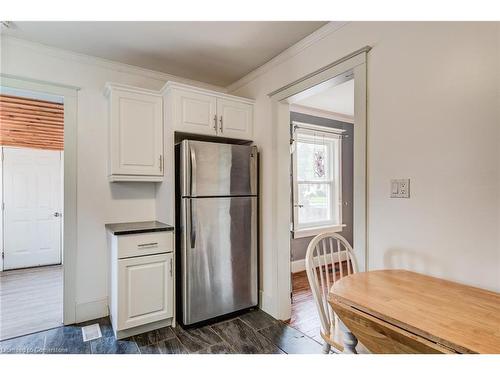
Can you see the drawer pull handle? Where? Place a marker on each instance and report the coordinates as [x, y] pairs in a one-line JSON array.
[[150, 244]]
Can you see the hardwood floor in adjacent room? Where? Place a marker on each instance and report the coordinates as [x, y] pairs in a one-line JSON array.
[[304, 317], [31, 300]]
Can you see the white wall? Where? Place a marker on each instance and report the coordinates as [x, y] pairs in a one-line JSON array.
[[99, 201], [433, 116]]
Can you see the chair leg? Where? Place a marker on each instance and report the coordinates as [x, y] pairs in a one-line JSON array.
[[326, 348]]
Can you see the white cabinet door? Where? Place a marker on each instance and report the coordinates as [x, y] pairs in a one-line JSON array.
[[235, 119], [194, 112], [32, 212], [136, 134], [145, 290]]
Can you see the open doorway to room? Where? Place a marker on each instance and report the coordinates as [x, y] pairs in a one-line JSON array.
[[322, 151], [32, 147]]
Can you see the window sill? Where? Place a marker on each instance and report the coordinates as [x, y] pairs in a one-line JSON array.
[[309, 232]]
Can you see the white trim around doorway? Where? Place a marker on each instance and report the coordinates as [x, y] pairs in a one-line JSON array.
[[70, 98], [351, 66]]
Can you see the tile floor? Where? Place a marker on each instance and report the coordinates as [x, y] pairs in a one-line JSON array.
[[253, 332]]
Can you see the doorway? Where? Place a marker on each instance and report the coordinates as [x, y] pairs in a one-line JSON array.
[[352, 66], [322, 150], [32, 146]]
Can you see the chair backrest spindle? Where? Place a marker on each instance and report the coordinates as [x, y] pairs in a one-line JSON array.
[[320, 256]]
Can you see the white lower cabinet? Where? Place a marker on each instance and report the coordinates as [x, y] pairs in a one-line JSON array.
[[145, 290], [141, 293]]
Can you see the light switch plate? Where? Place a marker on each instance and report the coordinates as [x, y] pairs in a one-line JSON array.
[[400, 188]]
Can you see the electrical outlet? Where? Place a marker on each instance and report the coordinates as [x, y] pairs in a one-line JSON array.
[[400, 188]]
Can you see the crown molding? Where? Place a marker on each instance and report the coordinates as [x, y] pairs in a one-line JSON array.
[[287, 54], [172, 85], [103, 63]]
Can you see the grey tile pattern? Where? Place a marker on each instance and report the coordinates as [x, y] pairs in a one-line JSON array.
[[221, 348], [196, 339], [244, 339], [153, 337], [66, 340], [290, 340], [257, 319], [172, 346], [109, 345], [150, 349], [252, 332]]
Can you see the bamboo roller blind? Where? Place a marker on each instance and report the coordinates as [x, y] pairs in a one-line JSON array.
[[31, 123]]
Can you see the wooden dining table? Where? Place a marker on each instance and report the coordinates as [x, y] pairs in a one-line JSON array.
[[398, 311]]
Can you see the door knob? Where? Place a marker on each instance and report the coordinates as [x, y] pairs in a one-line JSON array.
[[299, 205], [57, 214]]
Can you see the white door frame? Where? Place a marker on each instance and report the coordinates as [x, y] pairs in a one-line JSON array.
[[354, 63], [69, 250]]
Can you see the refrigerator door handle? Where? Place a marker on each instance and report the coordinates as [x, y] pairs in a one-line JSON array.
[[192, 226], [192, 171]]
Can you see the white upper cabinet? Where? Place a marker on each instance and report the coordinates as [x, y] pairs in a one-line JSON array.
[[135, 134], [199, 111], [194, 112], [235, 119]]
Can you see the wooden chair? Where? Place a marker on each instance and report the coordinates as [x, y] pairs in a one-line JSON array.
[[324, 252]]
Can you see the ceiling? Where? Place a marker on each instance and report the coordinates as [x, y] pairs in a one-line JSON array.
[[219, 53], [338, 99]]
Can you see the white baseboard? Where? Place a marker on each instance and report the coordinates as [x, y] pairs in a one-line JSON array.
[[91, 310], [300, 265]]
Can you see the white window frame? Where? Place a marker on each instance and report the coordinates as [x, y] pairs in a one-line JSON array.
[[303, 130]]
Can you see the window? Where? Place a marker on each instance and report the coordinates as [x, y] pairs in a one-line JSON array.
[[317, 180]]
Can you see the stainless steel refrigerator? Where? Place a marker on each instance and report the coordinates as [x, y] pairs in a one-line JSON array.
[[217, 200]]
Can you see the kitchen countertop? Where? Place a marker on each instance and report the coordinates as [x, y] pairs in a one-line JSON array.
[[138, 227]]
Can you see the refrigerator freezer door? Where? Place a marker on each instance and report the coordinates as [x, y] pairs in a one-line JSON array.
[[219, 256], [217, 169]]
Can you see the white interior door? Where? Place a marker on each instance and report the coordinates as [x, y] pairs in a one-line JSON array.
[[32, 207]]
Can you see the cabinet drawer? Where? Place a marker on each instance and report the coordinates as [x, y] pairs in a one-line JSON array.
[[132, 245]]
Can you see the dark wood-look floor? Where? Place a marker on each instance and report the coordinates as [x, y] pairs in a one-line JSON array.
[[305, 317], [253, 332], [31, 300]]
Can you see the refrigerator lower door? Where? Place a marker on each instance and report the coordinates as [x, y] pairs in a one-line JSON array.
[[218, 256]]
